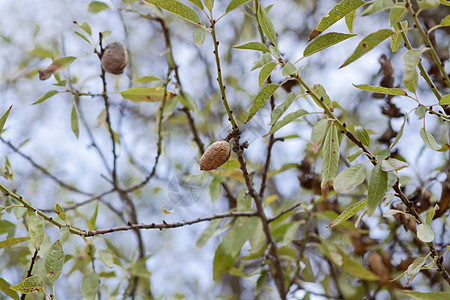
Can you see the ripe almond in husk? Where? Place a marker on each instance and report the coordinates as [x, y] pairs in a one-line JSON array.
[[215, 155], [114, 58]]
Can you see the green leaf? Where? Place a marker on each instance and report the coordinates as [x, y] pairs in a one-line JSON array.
[[197, 3], [46, 96], [215, 188], [64, 62], [253, 46], [285, 167], [146, 79], [325, 41], [320, 90], [288, 119], [318, 133], [264, 94], [428, 295], [30, 284], [336, 13], [60, 212], [400, 132], [349, 178], [36, 230], [330, 156], [377, 6], [411, 60], [178, 8], [445, 21], [362, 135], [348, 213], [199, 35], [6, 226], [86, 27], [425, 233], [107, 257], [382, 90], [223, 258], [355, 155], [430, 214], [93, 219], [235, 4], [289, 69], [96, 6], [396, 39], [5, 288], [445, 2], [208, 233], [377, 188], [242, 231], [265, 58], [444, 101], [55, 261], [90, 286], [429, 140], [427, 4], [367, 44], [74, 121], [12, 241], [209, 4], [280, 109], [266, 25], [396, 14], [188, 101], [146, 94], [3, 119], [392, 164], [265, 72], [349, 19]]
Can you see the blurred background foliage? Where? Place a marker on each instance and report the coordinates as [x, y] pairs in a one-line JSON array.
[[52, 166]]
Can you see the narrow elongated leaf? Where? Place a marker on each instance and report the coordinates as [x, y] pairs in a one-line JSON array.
[[414, 268], [425, 233], [348, 213], [146, 79], [266, 25], [265, 58], [235, 4], [30, 284], [55, 261], [336, 13], [208, 233], [444, 101], [199, 36], [197, 3], [261, 99], [90, 286], [209, 4], [362, 135], [349, 19], [367, 44], [96, 6], [177, 8], [5, 288], [36, 230], [320, 90], [242, 231], [289, 69], [330, 156], [93, 219], [3, 119], [265, 72], [46, 96], [427, 4], [382, 90], [396, 14], [400, 132], [392, 164], [378, 5], [146, 94], [428, 295], [60, 212], [253, 46], [288, 119], [349, 178], [429, 140], [12, 241], [325, 41], [411, 60], [377, 188], [74, 121], [318, 133], [107, 257], [280, 109], [445, 21], [223, 258]]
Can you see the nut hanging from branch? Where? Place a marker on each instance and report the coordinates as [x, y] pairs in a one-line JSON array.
[[215, 155], [114, 58]]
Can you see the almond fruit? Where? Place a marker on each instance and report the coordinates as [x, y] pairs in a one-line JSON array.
[[114, 58], [215, 155]]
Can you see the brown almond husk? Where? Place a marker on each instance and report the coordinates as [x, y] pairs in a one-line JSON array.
[[215, 155]]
